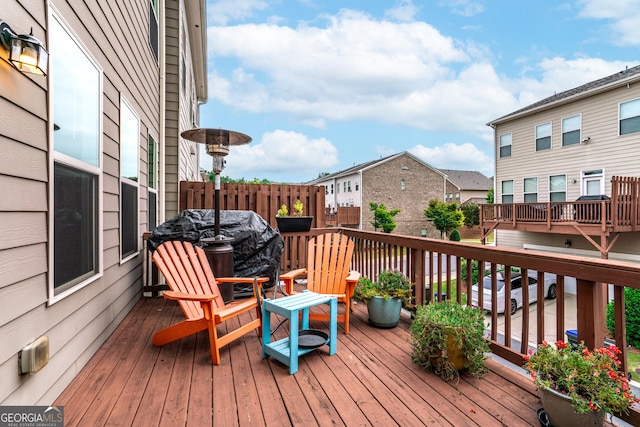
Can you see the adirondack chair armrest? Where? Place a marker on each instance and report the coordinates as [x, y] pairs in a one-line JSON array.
[[289, 277], [352, 281], [189, 297], [261, 280]]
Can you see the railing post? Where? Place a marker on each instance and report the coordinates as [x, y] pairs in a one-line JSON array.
[[418, 274], [591, 302]]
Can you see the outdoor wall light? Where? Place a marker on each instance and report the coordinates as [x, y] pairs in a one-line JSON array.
[[567, 243], [26, 52]]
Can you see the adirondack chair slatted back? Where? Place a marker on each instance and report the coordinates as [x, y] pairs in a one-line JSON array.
[[328, 262], [186, 269]]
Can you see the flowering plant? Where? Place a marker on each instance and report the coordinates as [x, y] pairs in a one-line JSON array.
[[590, 378]]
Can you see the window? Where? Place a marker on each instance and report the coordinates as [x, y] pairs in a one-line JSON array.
[[558, 188], [530, 190], [357, 186], [153, 27], [326, 190], [458, 197], [344, 187], [349, 186], [331, 188], [630, 117], [571, 130], [593, 182], [129, 155], [505, 145], [76, 94], [507, 191], [403, 185], [337, 188], [152, 207], [543, 137]]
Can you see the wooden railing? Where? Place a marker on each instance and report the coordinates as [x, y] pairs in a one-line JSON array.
[[435, 267]]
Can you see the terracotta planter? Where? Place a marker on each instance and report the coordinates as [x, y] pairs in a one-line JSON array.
[[561, 413], [384, 314], [294, 224]]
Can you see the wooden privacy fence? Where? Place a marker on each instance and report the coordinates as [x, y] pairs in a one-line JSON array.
[[264, 199]]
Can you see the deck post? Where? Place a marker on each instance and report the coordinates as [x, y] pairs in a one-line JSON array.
[[591, 303]]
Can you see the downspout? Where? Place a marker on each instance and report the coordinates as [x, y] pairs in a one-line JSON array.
[[163, 114], [361, 207]]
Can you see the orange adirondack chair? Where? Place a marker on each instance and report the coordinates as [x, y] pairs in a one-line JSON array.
[[187, 272], [328, 259]]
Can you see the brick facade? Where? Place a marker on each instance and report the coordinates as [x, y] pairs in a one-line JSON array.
[[383, 184]]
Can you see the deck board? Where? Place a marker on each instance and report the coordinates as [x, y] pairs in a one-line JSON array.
[[371, 380]]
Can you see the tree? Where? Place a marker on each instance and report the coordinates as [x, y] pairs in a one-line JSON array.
[[383, 218], [471, 213], [446, 216], [489, 197]]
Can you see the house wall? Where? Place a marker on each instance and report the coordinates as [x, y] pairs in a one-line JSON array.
[[605, 150], [382, 184], [78, 324], [181, 111], [616, 155]]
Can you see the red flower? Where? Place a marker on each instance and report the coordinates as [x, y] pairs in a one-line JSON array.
[[561, 344]]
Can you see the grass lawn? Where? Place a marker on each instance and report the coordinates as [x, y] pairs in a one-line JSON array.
[[633, 363]]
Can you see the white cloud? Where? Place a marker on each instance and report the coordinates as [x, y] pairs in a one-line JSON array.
[[623, 14], [282, 153], [456, 156], [404, 11], [223, 11], [463, 7]]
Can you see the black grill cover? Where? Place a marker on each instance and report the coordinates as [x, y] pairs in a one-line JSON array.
[[257, 247]]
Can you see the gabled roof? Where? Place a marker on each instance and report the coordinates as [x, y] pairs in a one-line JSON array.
[[606, 83], [468, 180], [368, 165]]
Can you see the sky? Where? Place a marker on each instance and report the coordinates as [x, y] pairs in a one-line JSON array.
[[323, 85]]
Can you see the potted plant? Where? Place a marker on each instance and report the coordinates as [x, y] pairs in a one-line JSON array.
[[385, 297], [295, 223], [578, 386], [448, 337]]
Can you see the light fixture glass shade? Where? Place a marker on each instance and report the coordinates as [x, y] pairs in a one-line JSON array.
[[28, 55], [26, 52]]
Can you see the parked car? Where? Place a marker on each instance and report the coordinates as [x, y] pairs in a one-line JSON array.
[[516, 291]]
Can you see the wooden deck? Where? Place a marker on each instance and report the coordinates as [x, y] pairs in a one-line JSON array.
[[370, 381]]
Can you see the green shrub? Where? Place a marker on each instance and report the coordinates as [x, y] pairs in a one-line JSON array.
[[454, 236], [632, 314]]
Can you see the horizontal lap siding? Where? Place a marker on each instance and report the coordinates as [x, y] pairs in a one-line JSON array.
[[80, 323]]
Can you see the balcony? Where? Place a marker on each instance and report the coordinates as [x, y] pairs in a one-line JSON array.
[[616, 214], [371, 380]]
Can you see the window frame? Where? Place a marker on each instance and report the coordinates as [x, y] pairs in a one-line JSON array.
[[152, 180], [55, 294], [565, 133], [501, 145], [635, 118], [544, 138], [502, 192], [526, 193], [129, 182], [551, 192]]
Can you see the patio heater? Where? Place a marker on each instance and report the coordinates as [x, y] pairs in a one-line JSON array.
[[218, 248]]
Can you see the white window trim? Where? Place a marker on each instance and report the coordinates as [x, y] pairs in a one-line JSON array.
[[562, 132], [535, 136], [619, 119], [584, 178], [508, 145], [123, 100], [566, 184], [52, 298], [524, 191]]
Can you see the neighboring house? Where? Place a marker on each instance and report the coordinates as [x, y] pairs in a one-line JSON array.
[[90, 159], [401, 181], [569, 145], [466, 186]]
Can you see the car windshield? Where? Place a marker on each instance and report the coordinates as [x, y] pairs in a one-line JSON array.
[[486, 283]]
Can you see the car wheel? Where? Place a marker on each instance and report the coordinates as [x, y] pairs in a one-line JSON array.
[[551, 293], [514, 306]]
